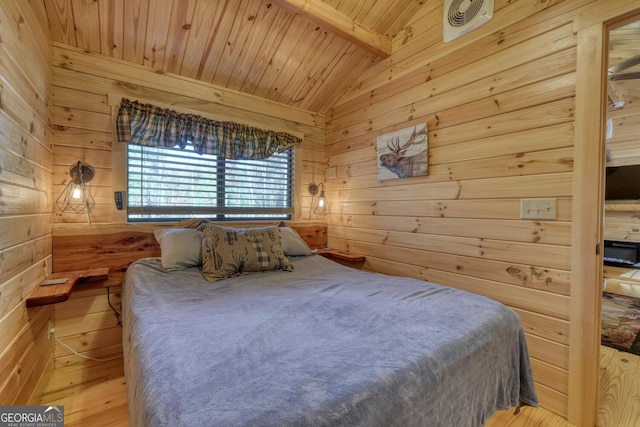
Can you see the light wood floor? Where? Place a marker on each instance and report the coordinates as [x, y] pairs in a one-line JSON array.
[[94, 395], [620, 389]]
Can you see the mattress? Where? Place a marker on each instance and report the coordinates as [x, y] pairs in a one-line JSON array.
[[322, 345]]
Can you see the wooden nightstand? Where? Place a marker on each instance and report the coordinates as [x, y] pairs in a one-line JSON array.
[[345, 258], [51, 294]]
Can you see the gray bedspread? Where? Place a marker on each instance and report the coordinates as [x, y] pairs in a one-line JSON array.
[[324, 345]]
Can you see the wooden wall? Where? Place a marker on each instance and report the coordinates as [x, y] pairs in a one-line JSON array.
[[624, 144], [25, 197], [500, 107], [500, 104], [86, 321], [622, 220], [86, 91]]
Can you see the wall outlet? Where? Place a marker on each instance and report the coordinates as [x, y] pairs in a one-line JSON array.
[[538, 209]]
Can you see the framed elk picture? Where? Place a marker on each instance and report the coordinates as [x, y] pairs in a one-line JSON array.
[[403, 153]]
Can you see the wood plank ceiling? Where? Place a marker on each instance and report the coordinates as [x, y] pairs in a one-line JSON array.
[[303, 53], [624, 43]]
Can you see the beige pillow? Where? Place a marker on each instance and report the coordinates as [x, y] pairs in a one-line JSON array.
[[292, 243], [227, 252], [180, 248]]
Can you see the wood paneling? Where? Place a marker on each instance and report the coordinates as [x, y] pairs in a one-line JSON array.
[[25, 199], [88, 324], [256, 46], [624, 149], [621, 219], [512, 113], [622, 281], [117, 246], [88, 89], [498, 132]]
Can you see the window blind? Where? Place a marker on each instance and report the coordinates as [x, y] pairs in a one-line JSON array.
[[170, 184]]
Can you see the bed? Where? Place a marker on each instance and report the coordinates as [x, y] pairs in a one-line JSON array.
[[319, 344]]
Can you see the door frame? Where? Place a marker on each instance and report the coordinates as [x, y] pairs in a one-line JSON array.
[[588, 205]]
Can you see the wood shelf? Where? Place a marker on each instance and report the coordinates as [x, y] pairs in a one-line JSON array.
[[51, 294], [622, 206], [346, 258], [622, 273]]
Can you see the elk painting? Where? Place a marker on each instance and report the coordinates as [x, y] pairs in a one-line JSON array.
[[403, 153]]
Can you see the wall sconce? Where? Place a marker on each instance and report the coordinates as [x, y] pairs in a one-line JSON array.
[[319, 206], [76, 196]]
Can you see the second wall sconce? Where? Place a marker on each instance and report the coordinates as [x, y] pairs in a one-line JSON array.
[[319, 206], [76, 197]]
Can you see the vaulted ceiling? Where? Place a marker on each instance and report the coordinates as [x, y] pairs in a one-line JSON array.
[[303, 53]]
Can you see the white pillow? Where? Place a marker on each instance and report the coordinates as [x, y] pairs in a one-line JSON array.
[[180, 247], [292, 243]]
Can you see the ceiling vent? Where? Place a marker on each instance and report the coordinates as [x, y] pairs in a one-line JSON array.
[[462, 16]]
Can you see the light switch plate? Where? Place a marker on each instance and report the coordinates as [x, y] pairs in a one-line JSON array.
[[538, 209]]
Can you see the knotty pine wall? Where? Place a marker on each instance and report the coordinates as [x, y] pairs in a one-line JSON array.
[[86, 93], [499, 104], [622, 220], [623, 223], [25, 199]]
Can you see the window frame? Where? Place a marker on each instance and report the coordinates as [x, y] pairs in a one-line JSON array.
[[119, 173], [224, 213]]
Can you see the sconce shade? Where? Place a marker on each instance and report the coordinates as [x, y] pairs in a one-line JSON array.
[[76, 197], [319, 206]]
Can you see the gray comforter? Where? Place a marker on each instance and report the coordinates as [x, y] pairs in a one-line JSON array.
[[324, 345]]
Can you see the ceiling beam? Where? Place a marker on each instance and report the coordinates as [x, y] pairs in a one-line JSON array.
[[626, 76], [339, 24], [617, 100], [627, 63]]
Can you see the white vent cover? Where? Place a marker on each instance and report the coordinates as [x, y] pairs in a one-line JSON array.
[[462, 16]]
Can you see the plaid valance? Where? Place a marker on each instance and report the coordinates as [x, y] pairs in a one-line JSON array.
[[146, 124]]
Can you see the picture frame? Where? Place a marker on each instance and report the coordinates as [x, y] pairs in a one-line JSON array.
[[403, 153]]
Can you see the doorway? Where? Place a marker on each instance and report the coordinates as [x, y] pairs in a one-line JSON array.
[[619, 355]]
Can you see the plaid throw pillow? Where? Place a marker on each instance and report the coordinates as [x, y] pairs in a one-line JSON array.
[[227, 252], [262, 255]]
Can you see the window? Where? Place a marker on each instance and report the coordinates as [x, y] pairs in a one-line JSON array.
[[170, 184]]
